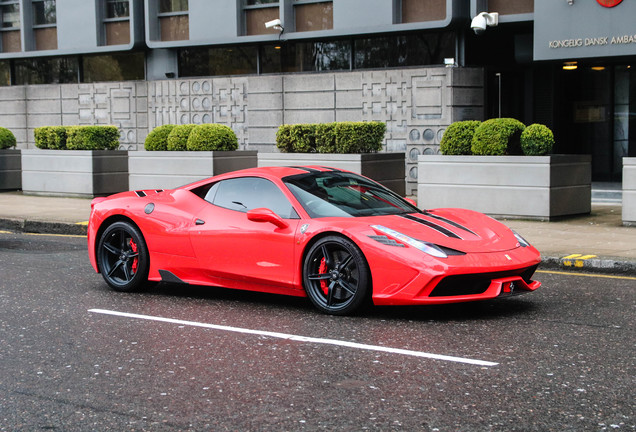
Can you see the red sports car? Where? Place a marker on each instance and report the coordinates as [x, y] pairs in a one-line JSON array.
[[336, 237]]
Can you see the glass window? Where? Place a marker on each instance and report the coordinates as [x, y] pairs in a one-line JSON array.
[[340, 194], [399, 51], [255, 20], [55, 70], [235, 60], [5, 73], [11, 41], [244, 194], [44, 12], [508, 7], [10, 15], [117, 9], [167, 6], [306, 56], [314, 16], [419, 11], [113, 67]]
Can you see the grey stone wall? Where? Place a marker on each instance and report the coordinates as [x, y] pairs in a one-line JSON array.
[[417, 105]]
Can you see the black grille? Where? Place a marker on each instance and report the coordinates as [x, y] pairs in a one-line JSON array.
[[477, 283]]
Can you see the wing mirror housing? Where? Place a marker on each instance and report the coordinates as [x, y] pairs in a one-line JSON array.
[[266, 215]]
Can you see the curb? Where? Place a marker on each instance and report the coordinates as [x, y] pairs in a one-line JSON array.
[[596, 265], [41, 227]]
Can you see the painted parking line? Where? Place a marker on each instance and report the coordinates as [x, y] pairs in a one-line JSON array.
[[297, 338]]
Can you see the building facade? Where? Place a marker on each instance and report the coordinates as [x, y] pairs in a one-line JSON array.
[[414, 64]]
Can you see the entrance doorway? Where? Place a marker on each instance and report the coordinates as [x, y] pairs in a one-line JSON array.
[[598, 112]]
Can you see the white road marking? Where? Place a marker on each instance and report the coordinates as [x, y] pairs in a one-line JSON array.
[[297, 338]]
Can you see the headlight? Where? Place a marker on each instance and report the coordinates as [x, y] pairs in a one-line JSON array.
[[425, 247], [523, 242]]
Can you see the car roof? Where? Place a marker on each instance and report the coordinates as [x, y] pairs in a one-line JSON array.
[[267, 172]]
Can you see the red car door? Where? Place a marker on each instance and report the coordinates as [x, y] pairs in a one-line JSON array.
[[240, 249]]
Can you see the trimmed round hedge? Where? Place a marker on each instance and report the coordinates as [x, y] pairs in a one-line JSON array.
[[497, 137], [157, 139], [537, 140], [7, 139], [178, 137], [211, 137], [457, 139]]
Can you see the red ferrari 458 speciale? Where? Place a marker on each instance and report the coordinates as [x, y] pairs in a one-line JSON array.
[[336, 237]]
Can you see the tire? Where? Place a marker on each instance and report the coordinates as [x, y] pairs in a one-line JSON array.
[[336, 276], [122, 257]]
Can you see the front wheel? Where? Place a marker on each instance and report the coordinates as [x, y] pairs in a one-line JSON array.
[[123, 258], [336, 276]]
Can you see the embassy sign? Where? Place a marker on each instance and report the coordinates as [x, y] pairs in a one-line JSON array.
[[584, 29]]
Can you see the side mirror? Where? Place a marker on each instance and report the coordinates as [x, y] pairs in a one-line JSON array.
[[266, 215]]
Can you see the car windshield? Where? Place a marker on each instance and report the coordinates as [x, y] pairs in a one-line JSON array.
[[341, 194]]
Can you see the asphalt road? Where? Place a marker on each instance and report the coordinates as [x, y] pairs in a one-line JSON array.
[[562, 358]]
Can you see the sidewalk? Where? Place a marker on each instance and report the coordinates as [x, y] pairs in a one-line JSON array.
[[596, 242]]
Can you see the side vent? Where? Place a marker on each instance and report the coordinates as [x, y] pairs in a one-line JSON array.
[[140, 193]]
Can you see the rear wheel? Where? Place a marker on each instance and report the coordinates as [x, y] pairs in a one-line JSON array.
[[123, 258], [336, 276]]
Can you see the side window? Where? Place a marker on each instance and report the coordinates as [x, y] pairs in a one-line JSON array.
[[243, 194]]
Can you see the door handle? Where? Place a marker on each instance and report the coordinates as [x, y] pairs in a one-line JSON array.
[[199, 222]]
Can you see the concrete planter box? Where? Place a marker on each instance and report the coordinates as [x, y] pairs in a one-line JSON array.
[[629, 191], [535, 187], [10, 170], [385, 168], [79, 173], [171, 169]]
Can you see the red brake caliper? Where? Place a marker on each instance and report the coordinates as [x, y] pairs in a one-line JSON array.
[[133, 267], [323, 270]]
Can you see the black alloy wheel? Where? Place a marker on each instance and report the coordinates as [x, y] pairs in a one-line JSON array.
[[336, 276], [122, 257]]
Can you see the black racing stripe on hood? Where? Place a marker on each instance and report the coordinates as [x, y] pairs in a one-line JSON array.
[[429, 224], [450, 222]]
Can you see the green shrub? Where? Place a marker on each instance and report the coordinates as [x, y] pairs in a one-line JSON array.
[[178, 137], [7, 139], [157, 139], [303, 137], [500, 136], [284, 140], [92, 137], [326, 138], [359, 137], [56, 137], [458, 138], [338, 137], [537, 140], [297, 138], [40, 135], [212, 137]]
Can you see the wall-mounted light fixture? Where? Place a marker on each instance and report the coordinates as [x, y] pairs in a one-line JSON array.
[[570, 2], [570, 65]]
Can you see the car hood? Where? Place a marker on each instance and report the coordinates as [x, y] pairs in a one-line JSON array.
[[459, 229]]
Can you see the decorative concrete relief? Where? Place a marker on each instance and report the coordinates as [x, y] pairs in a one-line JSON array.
[[199, 101], [111, 103]]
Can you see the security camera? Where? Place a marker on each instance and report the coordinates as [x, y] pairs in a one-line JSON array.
[[484, 20], [274, 24]]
